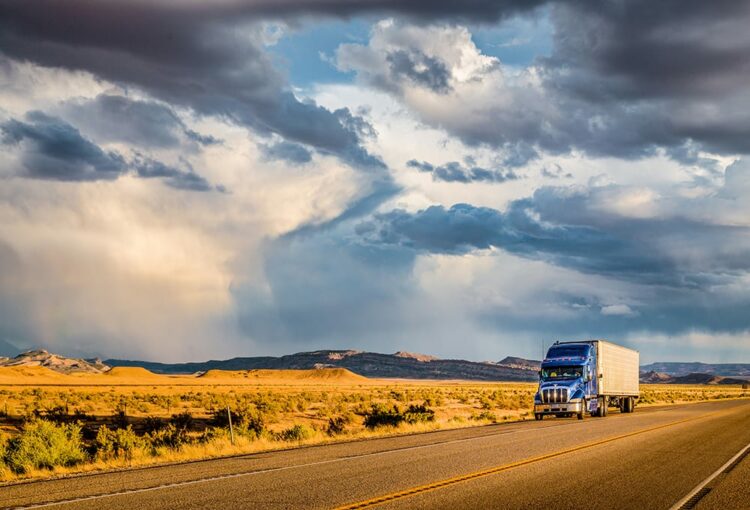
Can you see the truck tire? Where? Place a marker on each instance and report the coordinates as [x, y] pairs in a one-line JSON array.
[[629, 405], [582, 414], [538, 416], [603, 407]]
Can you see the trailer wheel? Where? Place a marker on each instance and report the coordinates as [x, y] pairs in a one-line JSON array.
[[603, 407], [582, 414], [629, 405]]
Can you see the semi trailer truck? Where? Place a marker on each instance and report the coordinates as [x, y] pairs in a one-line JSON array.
[[587, 377]]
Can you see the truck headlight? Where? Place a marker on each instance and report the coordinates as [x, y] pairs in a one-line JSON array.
[[577, 395]]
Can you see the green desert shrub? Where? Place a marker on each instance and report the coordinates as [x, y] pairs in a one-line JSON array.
[[44, 445], [182, 421], [246, 420], [211, 434], [337, 424], [296, 433], [380, 415], [253, 424], [170, 436], [418, 414], [152, 424], [485, 416], [117, 443]]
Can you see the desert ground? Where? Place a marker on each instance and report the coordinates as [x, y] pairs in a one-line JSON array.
[[52, 423]]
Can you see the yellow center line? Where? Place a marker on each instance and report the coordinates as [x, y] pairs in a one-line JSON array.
[[421, 489]]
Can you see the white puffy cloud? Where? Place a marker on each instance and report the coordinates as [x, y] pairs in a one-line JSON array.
[[441, 75], [621, 309]]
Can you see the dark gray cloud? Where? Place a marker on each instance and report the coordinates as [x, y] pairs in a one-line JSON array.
[[232, 10], [205, 57], [456, 172], [421, 69], [202, 139], [568, 228], [288, 151], [142, 123], [653, 73], [52, 149], [643, 49]]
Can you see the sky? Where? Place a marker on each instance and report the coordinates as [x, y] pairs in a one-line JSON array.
[[185, 180]]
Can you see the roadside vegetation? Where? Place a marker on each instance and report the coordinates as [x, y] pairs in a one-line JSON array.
[[57, 430]]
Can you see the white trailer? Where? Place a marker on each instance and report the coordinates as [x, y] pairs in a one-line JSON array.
[[618, 369]]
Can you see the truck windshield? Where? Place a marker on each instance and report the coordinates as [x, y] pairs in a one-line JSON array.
[[553, 373]]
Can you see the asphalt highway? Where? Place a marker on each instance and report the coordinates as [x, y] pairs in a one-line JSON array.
[[651, 459]]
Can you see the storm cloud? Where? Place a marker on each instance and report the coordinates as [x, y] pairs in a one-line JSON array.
[[52, 149], [288, 151], [208, 59], [454, 171], [568, 227]]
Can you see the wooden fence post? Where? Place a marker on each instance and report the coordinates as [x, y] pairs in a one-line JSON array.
[[231, 430]]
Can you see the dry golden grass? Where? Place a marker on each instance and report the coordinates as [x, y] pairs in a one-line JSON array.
[[312, 399]]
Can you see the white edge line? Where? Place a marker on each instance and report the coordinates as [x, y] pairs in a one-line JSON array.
[[708, 480]]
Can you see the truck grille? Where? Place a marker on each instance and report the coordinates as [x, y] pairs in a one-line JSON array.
[[554, 395]]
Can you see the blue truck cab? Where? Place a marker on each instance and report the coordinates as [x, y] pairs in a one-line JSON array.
[[586, 377]]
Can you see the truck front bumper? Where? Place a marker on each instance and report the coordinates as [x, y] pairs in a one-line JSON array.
[[567, 407]]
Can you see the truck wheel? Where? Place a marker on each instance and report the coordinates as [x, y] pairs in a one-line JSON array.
[[582, 414], [603, 409], [629, 405], [538, 416]]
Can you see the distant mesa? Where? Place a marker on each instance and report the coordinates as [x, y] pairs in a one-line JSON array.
[[339, 355], [520, 363], [61, 364], [653, 377], [700, 378], [415, 355]]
